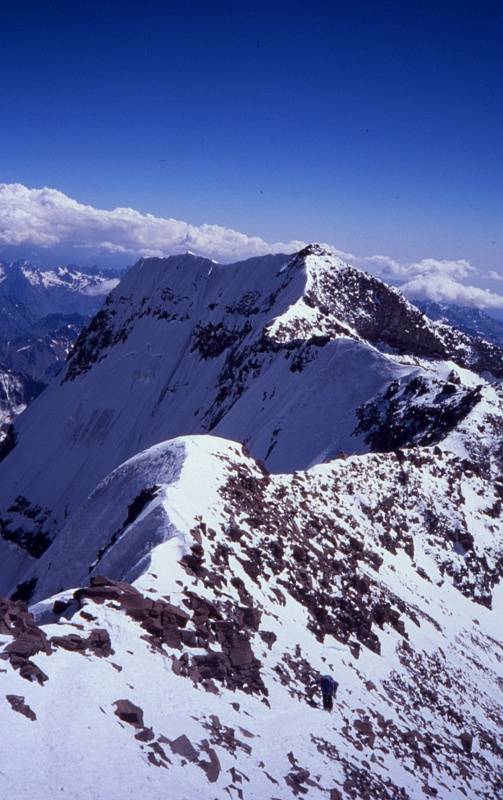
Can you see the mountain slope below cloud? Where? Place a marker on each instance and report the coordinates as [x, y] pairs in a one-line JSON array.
[[281, 354]]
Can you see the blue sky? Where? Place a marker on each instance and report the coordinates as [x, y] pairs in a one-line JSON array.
[[375, 126]]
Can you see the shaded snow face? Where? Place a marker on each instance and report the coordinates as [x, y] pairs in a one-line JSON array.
[[115, 536]]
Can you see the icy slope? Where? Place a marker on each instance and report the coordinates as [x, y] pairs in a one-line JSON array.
[[382, 569]]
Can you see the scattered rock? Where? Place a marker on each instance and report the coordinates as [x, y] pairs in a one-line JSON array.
[[183, 747], [128, 712], [17, 704]]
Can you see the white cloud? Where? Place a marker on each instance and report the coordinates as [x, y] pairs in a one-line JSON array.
[[440, 280], [427, 266], [101, 288], [493, 275], [442, 267], [47, 218], [383, 265], [445, 289]]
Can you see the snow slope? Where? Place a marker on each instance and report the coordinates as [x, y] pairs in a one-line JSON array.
[[381, 569]]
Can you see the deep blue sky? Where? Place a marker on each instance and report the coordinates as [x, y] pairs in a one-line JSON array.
[[377, 126]]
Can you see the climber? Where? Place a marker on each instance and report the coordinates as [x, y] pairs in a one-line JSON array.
[[328, 687]]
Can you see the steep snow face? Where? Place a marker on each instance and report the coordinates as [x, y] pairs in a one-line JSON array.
[[196, 681], [281, 354], [116, 538]]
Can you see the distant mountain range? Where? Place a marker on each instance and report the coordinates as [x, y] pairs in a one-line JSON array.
[[473, 321], [42, 312], [28, 293]]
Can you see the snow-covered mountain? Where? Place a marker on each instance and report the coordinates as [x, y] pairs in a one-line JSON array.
[[29, 293], [473, 321], [41, 353], [42, 311], [358, 532]]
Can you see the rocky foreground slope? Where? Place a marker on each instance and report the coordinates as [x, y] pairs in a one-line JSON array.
[[195, 681], [185, 593]]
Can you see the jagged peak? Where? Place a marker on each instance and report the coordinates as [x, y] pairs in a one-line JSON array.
[[318, 255], [320, 262]]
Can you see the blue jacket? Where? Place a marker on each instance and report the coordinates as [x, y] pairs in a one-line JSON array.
[[327, 685]]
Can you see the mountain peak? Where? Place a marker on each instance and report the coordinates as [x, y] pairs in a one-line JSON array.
[[319, 255]]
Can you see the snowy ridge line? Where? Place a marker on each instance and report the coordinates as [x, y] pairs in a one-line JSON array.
[[70, 279], [327, 297]]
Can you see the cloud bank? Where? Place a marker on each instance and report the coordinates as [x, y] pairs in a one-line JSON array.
[[440, 280], [443, 289], [47, 218]]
